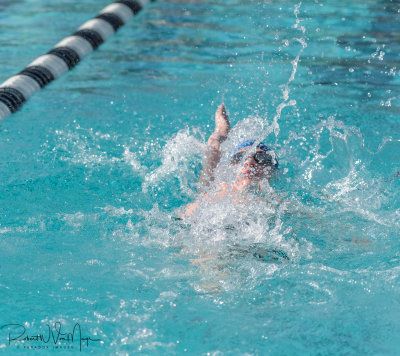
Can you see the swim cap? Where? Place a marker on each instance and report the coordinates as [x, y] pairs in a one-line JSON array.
[[261, 146], [244, 144]]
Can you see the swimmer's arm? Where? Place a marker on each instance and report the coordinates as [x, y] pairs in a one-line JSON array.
[[189, 210], [213, 154]]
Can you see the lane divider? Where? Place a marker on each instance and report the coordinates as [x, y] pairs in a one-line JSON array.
[[66, 54]]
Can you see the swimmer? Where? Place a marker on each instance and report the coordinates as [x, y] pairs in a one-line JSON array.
[[257, 164]]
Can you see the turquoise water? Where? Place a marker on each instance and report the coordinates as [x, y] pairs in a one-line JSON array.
[[95, 168]]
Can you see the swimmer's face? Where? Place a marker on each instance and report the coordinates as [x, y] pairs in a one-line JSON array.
[[255, 167]]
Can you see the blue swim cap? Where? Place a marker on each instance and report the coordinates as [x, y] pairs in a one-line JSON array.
[[249, 143], [244, 144], [261, 146]]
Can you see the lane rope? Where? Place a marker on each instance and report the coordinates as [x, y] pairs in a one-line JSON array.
[[66, 54]]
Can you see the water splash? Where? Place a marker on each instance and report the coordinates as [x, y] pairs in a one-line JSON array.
[[330, 176], [177, 155], [286, 87]]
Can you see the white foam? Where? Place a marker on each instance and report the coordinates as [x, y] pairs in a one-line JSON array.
[[78, 148], [132, 159], [113, 211], [176, 156]]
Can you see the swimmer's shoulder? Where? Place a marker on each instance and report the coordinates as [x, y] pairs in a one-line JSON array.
[[220, 192], [190, 209]]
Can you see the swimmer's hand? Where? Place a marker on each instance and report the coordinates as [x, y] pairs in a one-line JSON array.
[[222, 125]]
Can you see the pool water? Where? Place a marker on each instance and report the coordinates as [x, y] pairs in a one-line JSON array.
[[96, 168]]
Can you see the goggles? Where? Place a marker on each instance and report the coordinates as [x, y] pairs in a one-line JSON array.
[[262, 158], [266, 157]]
